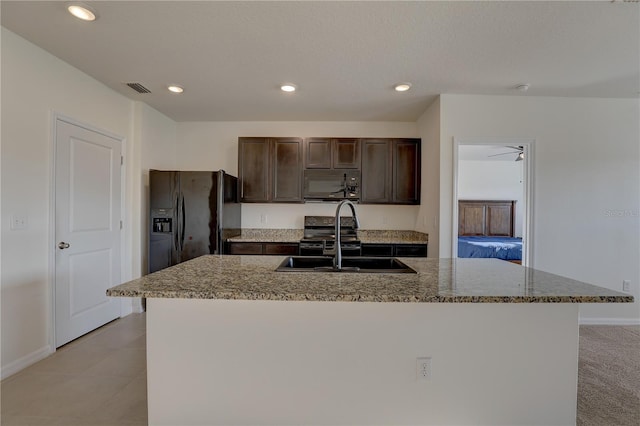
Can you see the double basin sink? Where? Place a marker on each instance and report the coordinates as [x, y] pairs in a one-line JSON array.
[[376, 265]]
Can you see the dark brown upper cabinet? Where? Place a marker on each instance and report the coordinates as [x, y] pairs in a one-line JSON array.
[[376, 171], [332, 153], [391, 171], [270, 170], [406, 171]]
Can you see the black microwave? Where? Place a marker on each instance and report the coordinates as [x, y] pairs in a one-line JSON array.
[[329, 185]]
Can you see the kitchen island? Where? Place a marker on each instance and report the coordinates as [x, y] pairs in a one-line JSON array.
[[231, 341]]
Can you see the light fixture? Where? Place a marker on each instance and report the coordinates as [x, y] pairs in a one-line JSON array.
[[402, 87], [175, 89], [288, 87], [82, 11], [523, 87]]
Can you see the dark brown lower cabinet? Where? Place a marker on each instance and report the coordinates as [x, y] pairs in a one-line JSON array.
[[399, 250], [257, 248]]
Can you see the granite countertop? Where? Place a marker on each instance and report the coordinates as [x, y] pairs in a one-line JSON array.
[[437, 281], [258, 235]]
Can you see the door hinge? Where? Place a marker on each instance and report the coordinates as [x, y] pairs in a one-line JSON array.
[[120, 224], [121, 160]]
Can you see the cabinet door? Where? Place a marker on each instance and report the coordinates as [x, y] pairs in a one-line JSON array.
[[499, 221], [287, 170], [406, 171], [317, 153], [290, 249], [471, 219], [245, 248], [411, 250], [376, 171], [253, 169], [385, 250], [346, 153]]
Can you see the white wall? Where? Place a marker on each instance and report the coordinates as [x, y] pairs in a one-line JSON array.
[[429, 130], [156, 134], [214, 145], [36, 84], [586, 218], [492, 180]]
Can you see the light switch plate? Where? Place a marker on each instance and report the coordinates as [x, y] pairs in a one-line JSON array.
[[18, 222]]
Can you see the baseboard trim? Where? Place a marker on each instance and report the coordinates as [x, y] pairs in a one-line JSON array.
[[22, 363], [609, 321]]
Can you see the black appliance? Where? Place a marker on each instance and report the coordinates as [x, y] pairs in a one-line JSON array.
[[191, 214], [330, 185], [319, 233]]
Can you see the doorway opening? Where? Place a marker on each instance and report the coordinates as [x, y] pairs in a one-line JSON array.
[[493, 199]]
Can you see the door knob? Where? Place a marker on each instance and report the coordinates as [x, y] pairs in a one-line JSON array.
[[62, 245]]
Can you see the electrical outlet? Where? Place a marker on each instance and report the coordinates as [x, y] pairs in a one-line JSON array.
[[385, 220], [626, 285], [263, 218], [423, 368]]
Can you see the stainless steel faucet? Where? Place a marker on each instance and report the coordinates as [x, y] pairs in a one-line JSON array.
[[336, 252]]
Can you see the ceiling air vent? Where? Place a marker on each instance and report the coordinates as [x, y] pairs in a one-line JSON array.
[[138, 87]]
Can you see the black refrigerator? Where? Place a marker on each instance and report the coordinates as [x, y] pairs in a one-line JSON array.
[[191, 214]]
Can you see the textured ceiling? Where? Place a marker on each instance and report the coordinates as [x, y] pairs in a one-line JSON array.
[[345, 57]]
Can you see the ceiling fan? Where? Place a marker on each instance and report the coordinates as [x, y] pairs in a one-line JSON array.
[[519, 150]]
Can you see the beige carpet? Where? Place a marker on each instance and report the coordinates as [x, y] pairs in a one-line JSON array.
[[609, 376]]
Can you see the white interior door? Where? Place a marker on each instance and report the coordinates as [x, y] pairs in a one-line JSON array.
[[87, 229]]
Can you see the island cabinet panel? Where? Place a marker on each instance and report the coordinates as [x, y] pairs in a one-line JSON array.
[[391, 171], [328, 153], [376, 171], [270, 170], [287, 170], [364, 361]]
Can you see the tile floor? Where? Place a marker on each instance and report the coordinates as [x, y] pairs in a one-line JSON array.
[[97, 380]]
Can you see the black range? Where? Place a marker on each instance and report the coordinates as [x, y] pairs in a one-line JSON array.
[[319, 233]]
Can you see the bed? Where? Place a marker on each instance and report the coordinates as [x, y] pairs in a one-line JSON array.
[[486, 229]]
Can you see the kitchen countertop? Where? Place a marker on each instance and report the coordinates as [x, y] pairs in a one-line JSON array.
[[375, 236], [437, 281]]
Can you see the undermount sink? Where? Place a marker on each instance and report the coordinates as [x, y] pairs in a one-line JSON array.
[[376, 265]]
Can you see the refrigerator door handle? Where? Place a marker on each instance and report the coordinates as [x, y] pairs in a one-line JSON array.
[[183, 225], [176, 233]]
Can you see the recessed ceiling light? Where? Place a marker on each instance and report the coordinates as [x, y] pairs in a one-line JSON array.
[[288, 87], [523, 87], [402, 87], [175, 89], [82, 11]]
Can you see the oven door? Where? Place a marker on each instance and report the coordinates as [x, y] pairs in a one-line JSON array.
[[311, 249], [316, 249]]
